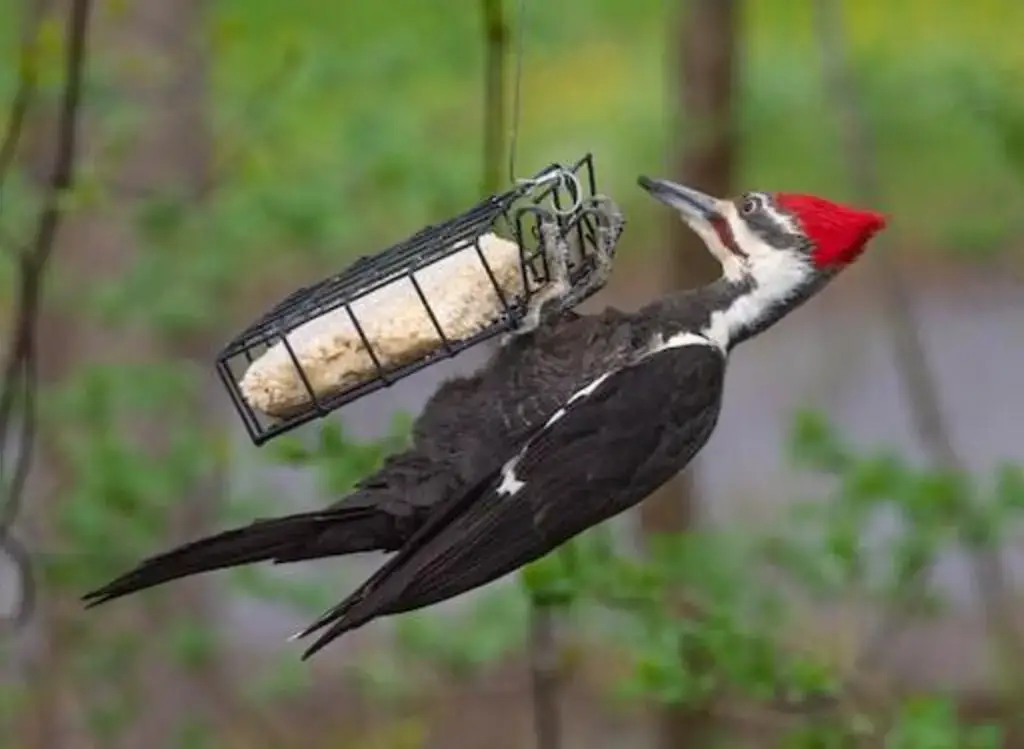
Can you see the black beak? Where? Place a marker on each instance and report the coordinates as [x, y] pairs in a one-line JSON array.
[[693, 204]]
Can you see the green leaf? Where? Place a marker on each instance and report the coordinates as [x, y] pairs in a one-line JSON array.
[[813, 443], [193, 733], [549, 582], [1009, 491], [937, 497], [290, 450], [926, 722], [988, 736], [806, 677], [289, 677], [333, 443], [843, 539], [161, 217], [494, 627], [192, 644], [869, 481]]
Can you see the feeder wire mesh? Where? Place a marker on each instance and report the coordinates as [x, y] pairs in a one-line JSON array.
[[446, 288]]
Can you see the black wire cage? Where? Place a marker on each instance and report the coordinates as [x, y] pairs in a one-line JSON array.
[[266, 351]]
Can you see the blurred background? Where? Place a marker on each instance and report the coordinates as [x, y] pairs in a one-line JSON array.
[[838, 568]]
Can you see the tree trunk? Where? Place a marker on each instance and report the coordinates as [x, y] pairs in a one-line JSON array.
[[703, 85]]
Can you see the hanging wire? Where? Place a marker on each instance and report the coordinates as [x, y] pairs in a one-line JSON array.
[[516, 92], [566, 178]]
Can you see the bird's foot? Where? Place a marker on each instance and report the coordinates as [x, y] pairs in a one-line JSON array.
[[555, 295], [608, 223], [560, 293]]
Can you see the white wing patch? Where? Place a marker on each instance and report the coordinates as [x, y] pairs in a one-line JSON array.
[[554, 417], [581, 393], [685, 338], [585, 391], [510, 484]]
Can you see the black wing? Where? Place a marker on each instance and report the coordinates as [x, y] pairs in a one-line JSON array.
[[460, 437], [609, 447]]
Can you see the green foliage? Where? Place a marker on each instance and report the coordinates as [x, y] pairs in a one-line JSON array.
[[699, 619], [932, 723], [548, 581], [341, 127], [493, 628], [340, 461], [123, 493], [702, 621], [697, 614], [289, 678]]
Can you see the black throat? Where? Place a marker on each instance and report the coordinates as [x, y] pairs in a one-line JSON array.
[[691, 310]]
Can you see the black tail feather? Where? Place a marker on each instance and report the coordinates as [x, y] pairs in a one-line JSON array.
[[382, 593], [292, 538]]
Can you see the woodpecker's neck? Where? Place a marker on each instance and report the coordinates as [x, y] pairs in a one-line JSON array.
[[727, 311]]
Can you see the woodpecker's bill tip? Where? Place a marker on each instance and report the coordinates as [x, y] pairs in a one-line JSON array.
[[691, 203]]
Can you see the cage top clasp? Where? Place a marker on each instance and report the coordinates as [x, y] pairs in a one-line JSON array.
[[566, 178]]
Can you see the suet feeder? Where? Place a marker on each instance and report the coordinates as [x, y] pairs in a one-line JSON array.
[[446, 288]]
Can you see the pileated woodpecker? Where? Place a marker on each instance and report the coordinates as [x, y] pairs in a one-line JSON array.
[[566, 426]]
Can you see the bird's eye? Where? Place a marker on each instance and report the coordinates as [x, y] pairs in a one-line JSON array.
[[749, 206]]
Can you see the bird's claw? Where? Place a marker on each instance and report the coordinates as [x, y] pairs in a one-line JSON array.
[[607, 227], [560, 293], [610, 222], [551, 300]]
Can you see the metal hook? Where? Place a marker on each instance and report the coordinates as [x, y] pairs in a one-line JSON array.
[[566, 179]]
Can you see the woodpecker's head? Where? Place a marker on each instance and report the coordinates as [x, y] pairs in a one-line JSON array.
[[772, 235], [782, 247]]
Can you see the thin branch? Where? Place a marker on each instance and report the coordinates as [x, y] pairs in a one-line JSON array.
[[24, 95], [496, 44], [911, 359], [19, 373], [21, 103], [545, 675], [258, 727], [545, 683]]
